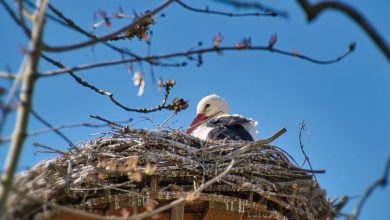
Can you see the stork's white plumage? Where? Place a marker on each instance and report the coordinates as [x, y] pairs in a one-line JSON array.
[[212, 121]]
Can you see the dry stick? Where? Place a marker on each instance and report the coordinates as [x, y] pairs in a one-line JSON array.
[[382, 181], [29, 77], [51, 149], [312, 10], [165, 122], [143, 215], [188, 54], [301, 127], [289, 156], [229, 14], [6, 75], [154, 135], [107, 121], [256, 144], [59, 127], [110, 35], [252, 187]]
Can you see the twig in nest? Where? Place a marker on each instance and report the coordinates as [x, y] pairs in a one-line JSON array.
[[301, 127], [166, 121], [258, 143], [59, 127], [49, 149], [107, 121]]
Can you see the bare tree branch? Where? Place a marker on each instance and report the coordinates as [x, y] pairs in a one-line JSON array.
[[131, 26], [313, 10], [177, 104], [251, 5], [16, 19], [229, 14], [71, 24], [29, 76], [8, 75], [188, 54]]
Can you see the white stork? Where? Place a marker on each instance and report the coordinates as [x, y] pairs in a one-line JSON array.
[[212, 121]]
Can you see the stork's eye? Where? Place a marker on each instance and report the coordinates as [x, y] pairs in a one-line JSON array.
[[207, 105]]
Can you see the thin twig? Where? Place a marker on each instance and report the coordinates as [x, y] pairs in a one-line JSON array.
[[163, 105], [251, 5], [381, 181], [263, 142], [59, 127], [313, 10], [188, 54], [8, 75], [50, 126], [51, 149], [106, 37], [301, 127], [107, 121], [16, 19], [229, 14], [71, 24], [166, 121]]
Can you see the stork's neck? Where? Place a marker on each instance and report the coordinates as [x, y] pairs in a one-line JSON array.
[[215, 115]]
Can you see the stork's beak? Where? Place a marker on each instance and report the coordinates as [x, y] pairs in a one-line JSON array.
[[199, 118]]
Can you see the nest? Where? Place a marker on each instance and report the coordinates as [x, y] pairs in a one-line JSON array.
[[134, 167]]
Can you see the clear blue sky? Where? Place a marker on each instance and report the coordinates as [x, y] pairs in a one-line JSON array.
[[345, 105]]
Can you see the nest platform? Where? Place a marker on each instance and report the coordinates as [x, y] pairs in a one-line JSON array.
[[136, 171]]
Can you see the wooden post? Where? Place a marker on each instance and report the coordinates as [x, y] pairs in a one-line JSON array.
[[250, 196], [177, 212], [154, 184]]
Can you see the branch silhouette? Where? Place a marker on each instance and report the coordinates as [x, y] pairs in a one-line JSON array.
[[188, 54], [313, 10]]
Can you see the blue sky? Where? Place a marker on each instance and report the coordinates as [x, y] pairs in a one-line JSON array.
[[345, 105]]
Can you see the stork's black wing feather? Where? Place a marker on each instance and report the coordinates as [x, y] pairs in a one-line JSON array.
[[229, 120], [229, 127]]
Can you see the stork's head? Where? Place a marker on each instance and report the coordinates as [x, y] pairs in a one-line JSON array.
[[208, 107]]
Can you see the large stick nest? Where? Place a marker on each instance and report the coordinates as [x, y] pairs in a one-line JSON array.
[[133, 167]]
